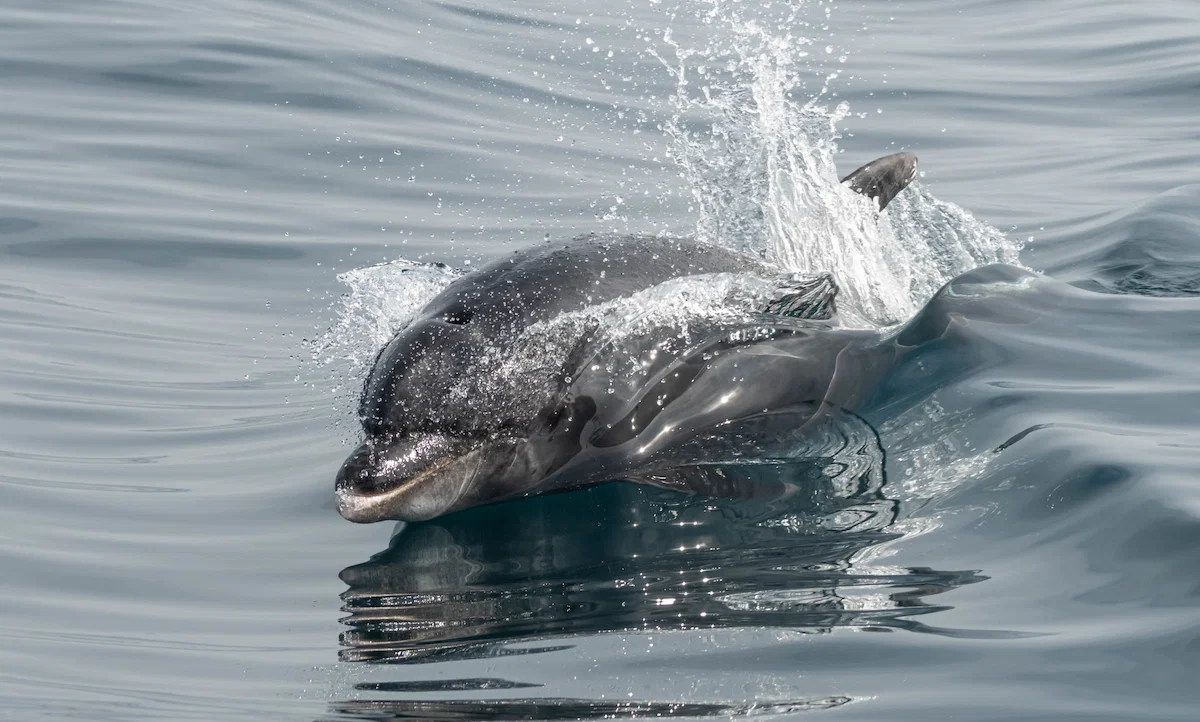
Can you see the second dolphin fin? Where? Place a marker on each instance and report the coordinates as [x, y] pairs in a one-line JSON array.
[[882, 178]]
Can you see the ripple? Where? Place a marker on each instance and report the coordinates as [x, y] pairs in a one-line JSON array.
[[167, 538]]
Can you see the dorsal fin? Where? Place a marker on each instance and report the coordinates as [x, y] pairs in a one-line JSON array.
[[805, 297], [883, 178]]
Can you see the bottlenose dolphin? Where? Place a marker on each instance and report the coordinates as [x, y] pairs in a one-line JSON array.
[[536, 373]]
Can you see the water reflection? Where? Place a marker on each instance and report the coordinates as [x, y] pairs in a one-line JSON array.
[[564, 709], [624, 558]]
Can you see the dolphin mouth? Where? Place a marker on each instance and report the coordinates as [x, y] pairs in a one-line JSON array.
[[412, 478]]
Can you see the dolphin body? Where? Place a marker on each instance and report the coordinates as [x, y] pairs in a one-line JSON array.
[[504, 386]]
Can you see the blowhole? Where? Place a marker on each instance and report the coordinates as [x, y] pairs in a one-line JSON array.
[[458, 316]]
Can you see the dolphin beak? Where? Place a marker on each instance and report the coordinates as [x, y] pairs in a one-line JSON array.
[[412, 478]]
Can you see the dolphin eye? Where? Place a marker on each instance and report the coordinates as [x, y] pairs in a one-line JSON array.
[[458, 316]]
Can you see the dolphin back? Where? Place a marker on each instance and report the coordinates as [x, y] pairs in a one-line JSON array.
[[535, 284]]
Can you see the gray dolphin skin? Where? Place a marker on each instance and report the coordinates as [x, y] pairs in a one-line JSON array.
[[881, 179], [504, 386]]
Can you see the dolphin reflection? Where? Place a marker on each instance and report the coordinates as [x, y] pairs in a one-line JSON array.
[[625, 558], [622, 557]]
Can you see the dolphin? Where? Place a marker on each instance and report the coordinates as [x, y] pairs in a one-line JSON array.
[[544, 371]]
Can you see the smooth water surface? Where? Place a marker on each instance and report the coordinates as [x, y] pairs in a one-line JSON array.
[[195, 196]]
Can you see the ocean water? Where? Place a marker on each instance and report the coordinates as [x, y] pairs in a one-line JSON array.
[[213, 214]]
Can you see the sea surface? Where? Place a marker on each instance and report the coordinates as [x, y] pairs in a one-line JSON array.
[[212, 214]]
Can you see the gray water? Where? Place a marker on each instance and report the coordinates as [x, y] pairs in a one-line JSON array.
[[189, 192]]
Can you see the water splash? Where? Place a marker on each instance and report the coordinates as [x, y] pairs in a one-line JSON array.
[[382, 299], [756, 148]]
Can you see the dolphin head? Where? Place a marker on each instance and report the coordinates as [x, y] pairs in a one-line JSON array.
[[442, 432], [417, 476]]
